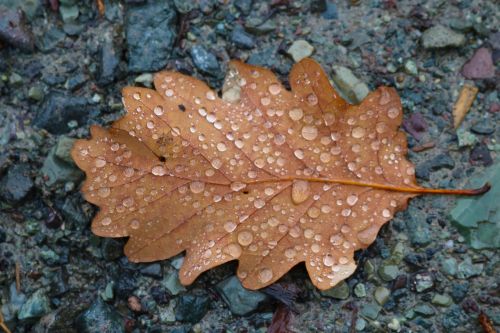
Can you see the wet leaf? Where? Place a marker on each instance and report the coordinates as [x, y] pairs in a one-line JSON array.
[[266, 176]]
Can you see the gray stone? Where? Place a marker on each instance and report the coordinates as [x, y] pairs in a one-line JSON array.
[[360, 290], [30, 7], [423, 282], [153, 270], [424, 310], [192, 307], [340, 291], [241, 301], [35, 93], [56, 167], [411, 67], [14, 31], [259, 27], [16, 184], [109, 60], [349, 85], [467, 269], [69, 13], [59, 109], [172, 283], [99, 317], [438, 37], [150, 34], [16, 301], [441, 300], [381, 295], [388, 272], [63, 149], [205, 61], [449, 266], [241, 38], [36, 306], [300, 49], [370, 311], [453, 318]]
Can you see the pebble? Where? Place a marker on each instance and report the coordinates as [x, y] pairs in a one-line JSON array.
[[69, 13], [98, 317], [300, 49], [259, 27], [388, 272], [241, 38], [331, 12], [480, 155], [340, 291], [145, 79], [453, 318], [205, 61], [424, 310], [192, 307], [172, 283], [245, 6], [153, 270], [484, 127], [411, 67], [16, 184], [423, 281], [349, 85], [150, 35], [37, 305], [438, 37], [360, 290], [449, 266], [424, 170], [381, 295], [108, 69], [16, 301], [59, 109], [35, 93], [480, 66], [466, 269], [240, 300], [14, 31], [111, 249], [370, 311], [459, 290], [58, 168], [394, 325], [360, 324]]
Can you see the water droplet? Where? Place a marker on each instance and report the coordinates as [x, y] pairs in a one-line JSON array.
[[368, 235], [315, 248], [197, 187], [358, 132], [325, 209], [233, 249], [343, 260], [308, 233], [290, 253], [274, 89], [216, 163], [385, 97], [229, 226], [352, 199], [158, 170], [221, 146], [313, 212], [296, 114], [115, 147], [346, 212], [336, 239], [309, 132], [202, 112], [328, 260], [136, 96], [299, 154], [386, 213], [265, 275], [325, 157], [259, 203], [381, 127], [268, 191], [345, 229], [352, 166], [210, 95], [300, 191], [104, 192], [259, 163], [335, 150], [134, 224], [393, 113], [169, 93], [279, 139], [100, 162], [158, 110], [128, 172], [265, 101], [410, 171], [312, 99], [245, 237]]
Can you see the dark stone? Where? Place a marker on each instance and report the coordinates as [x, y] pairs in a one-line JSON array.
[[191, 308], [160, 295], [3, 236], [415, 125], [415, 259], [51, 38], [205, 61], [125, 284], [423, 170], [241, 301], [244, 6], [100, 317], [13, 29], [109, 61], [59, 284], [454, 317], [484, 127], [59, 108], [111, 249], [480, 66], [150, 34], [480, 154], [17, 184], [76, 81], [318, 6], [152, 270], [459, 290], [241, 38], [73, 211], [331, 12]]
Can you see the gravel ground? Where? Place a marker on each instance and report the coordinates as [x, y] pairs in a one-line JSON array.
[[62, 67]]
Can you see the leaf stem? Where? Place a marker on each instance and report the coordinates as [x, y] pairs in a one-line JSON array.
[[416, 190]]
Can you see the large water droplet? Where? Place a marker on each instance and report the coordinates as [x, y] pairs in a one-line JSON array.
[[104, 192], [290, 253], [299, 154], [358, 132], [158, 110], [259, 203], [229, 226], [296, 114], [100, 162], [300, 191], [309, 132], [233, 249], [197, 187], [312, 99], [274, 89], [328, 260], [368, 235], [245, 237], [158, 170], [106, 221], [386, 213]]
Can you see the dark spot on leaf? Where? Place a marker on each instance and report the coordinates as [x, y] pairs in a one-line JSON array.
[[182, 107]]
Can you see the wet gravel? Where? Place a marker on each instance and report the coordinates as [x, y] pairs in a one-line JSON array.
[[62, 68]]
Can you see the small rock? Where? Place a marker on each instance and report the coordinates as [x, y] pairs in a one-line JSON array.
[[35, 93], [424, 310], [16, 301], [381, 295], [152, 270], [349, 85], [15, 80], [145, 79], [36, 306], [438, 37], [125, 284], [300, 49], [467, 269], [360, 290], [172, 283], [423, 282], [134, 303], [441, 300], [13, 29], [360, 324], [191, 308], [480, 155], [69, 13], [17, 184], [259, 27], [394, 325], [423, 170], [484, 127], [109, 60], [111, 249], [340, 291], [370, 311], [245, 6], [205, 61], [241, 38], [100, 317], [75, 82], [459, 290], [453, 318], [466, 138], [241, 301], [56, 167], [415, 125], [330, 12], [411, 67], [59, 109], [449, 266], [480, 66], [150, 35], [388, 272]]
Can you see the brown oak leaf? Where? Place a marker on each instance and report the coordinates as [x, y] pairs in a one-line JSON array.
[[264, 175]]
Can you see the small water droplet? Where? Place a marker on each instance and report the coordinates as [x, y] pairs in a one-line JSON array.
[[265, 101], [259, 203], [309, 132], [352, 199], [128, 172], [336, 239], [358, 132], [315, 248], [290, 253], [158, 170], [325, 157], [210, 95], [386, 213], [104, 192], [265, 275], [313, 212], [393, 113], [368, 235], [106, 221], [169, 93], [381, 127], [328, 260], [221, 146], [100, 162], [300, 191], [274, 89], [410, 171], [308, 233], [216, 163], [279, 139], [158, 110], [233, 249], [343, 260], [245, 238], [229, 226], [134, 224], [136, 96], [296, 114], [385, 97], [299, 154], [312, 99]]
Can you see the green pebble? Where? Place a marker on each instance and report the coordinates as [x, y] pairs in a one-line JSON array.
[[381, 295], [340, 291], [35, 93], [388, 272], [411, 67], [441, 300], [370, 311], [424, 310], [15, 79], [360, 290]]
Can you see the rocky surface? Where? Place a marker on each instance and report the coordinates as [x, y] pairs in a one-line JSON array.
[[62, 68]]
